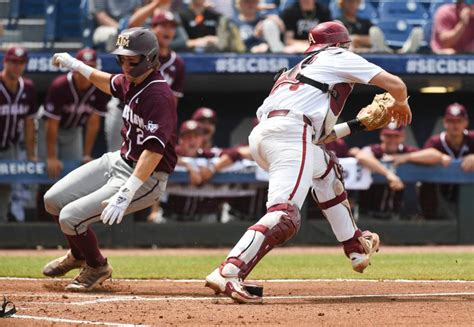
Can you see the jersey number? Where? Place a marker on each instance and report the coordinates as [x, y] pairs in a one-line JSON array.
[[139, 136]]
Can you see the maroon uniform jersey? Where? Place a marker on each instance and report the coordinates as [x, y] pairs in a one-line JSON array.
[[150, 118], [172, 68], [72, 107], [439, 143], [14, 108], [379, 200]]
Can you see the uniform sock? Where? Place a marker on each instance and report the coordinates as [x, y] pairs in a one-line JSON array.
[[74, 249], [89, 247]]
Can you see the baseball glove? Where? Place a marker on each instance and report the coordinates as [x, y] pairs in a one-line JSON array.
[[376, 115]]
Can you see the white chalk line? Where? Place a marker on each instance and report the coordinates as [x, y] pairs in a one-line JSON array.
[[72, 321], [321, 280]]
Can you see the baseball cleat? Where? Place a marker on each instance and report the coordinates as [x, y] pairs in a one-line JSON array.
[[63, 265], [231, 287], [90, 277]]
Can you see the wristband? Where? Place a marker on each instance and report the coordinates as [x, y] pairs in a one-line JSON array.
[[133, 183], [342, 130], [355, 125], [85, 70]]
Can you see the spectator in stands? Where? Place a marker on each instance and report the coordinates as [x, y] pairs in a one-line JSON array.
[[208, 119], [209, 31], [440, 201], [453, 28], [73, 104], [17, 109], [367, 37], [298, 19], [259, 33], [111, 17], [143, 17]]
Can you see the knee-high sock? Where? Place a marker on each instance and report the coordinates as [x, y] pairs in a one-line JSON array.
[[76, 252], [89, 247]]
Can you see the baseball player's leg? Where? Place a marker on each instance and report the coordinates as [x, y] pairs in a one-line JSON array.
[[113, 125], [5, 189], [330, 195], [290, 165]]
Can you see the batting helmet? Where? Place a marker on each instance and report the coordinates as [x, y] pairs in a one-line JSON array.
[[139, 41], [327, 34]]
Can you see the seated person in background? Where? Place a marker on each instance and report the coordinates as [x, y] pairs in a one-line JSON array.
[[299, 19], [439, 201], [110, 17], [367, 37], [381, 200], [259, 33], [143, 17], [453, 28], [209, 31]]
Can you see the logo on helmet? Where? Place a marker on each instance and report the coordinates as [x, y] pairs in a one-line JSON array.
[[311, 39], [123, 41]]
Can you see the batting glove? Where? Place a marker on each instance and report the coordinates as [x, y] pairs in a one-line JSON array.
[[116, 206], [65, 60]]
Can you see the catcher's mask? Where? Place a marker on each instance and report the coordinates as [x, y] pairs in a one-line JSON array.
[[138, 41], [327, 34]]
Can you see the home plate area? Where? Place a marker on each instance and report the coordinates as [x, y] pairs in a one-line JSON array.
[[286, 302]]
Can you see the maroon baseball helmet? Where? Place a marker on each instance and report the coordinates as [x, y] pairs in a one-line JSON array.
[[139, 41], [392, 129], [455, 111], [16, 54], [327, 34], [204, 113]]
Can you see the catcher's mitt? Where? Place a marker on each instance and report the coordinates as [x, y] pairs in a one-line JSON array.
[[376, 115]]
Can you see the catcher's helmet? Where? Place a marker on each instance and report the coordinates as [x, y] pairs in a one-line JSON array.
[[138, 41], [327, 34]]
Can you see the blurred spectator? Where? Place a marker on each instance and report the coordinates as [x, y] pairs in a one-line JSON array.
[[440, 201], [208, 30], [384, 200], [143, 16], [208, 119], [73, 108], [453, 28], [258, 32], [367, 37], [299, 19], [224, 7], [111, 17], [17, 110]]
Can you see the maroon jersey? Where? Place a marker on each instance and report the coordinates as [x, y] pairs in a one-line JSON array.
[[72, 107], [14, 108], [379, 200], [439, 143], [150, 118], [172, 69]]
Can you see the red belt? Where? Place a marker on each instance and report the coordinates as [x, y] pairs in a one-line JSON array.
[[284, 112]]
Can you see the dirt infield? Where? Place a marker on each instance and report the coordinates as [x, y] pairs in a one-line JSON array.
[[43, 302]]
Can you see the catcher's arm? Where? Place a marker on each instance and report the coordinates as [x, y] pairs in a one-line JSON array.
[[343, 129]]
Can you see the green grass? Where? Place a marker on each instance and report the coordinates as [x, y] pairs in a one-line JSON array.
[[274, 266]]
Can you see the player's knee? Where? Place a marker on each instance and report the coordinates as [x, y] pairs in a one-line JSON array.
[[67, 220], [51, 202], [280, 224]]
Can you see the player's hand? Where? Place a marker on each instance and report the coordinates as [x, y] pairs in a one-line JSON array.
[[445, 160], [206, 173], [467, 163], [86, 159], [54, 167], [195, 176], [64, 59], [465, 15], [401, 114], [394, 182], [399, 159], [116, 206]]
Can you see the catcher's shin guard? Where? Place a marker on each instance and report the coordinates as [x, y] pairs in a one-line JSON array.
[[329, 193], [280, 224]]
